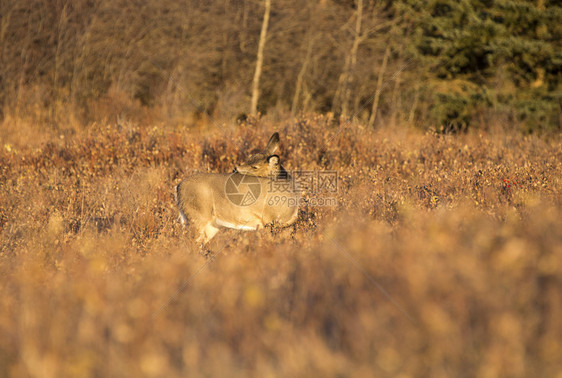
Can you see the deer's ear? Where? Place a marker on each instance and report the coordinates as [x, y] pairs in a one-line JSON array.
[[273, 160], [273, 144]]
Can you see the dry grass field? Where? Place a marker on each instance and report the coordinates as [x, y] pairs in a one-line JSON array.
[[442, 257]]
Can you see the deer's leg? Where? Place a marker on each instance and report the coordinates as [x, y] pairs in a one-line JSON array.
[[207, 233]]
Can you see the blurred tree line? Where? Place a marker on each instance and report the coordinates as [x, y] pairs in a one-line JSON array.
[[443, 63]]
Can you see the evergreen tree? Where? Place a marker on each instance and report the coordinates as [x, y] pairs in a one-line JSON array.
[[481, 55]]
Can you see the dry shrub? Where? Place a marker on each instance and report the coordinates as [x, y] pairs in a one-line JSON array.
[[442, 257]]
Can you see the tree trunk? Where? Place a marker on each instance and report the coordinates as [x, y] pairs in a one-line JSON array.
[[395, 99], [244, 27], [338, 96], [413, 108], [379, 87], [352, 60], [300, 77], [259, 60]]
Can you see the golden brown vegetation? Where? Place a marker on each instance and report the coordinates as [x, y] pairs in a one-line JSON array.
[[463, 234]]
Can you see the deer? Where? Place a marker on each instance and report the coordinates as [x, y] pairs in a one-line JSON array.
[[257, 193]]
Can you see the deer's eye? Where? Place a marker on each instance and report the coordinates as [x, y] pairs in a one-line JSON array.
[[254, 167]]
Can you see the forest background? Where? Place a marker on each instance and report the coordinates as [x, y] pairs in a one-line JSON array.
[[442, 64]]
